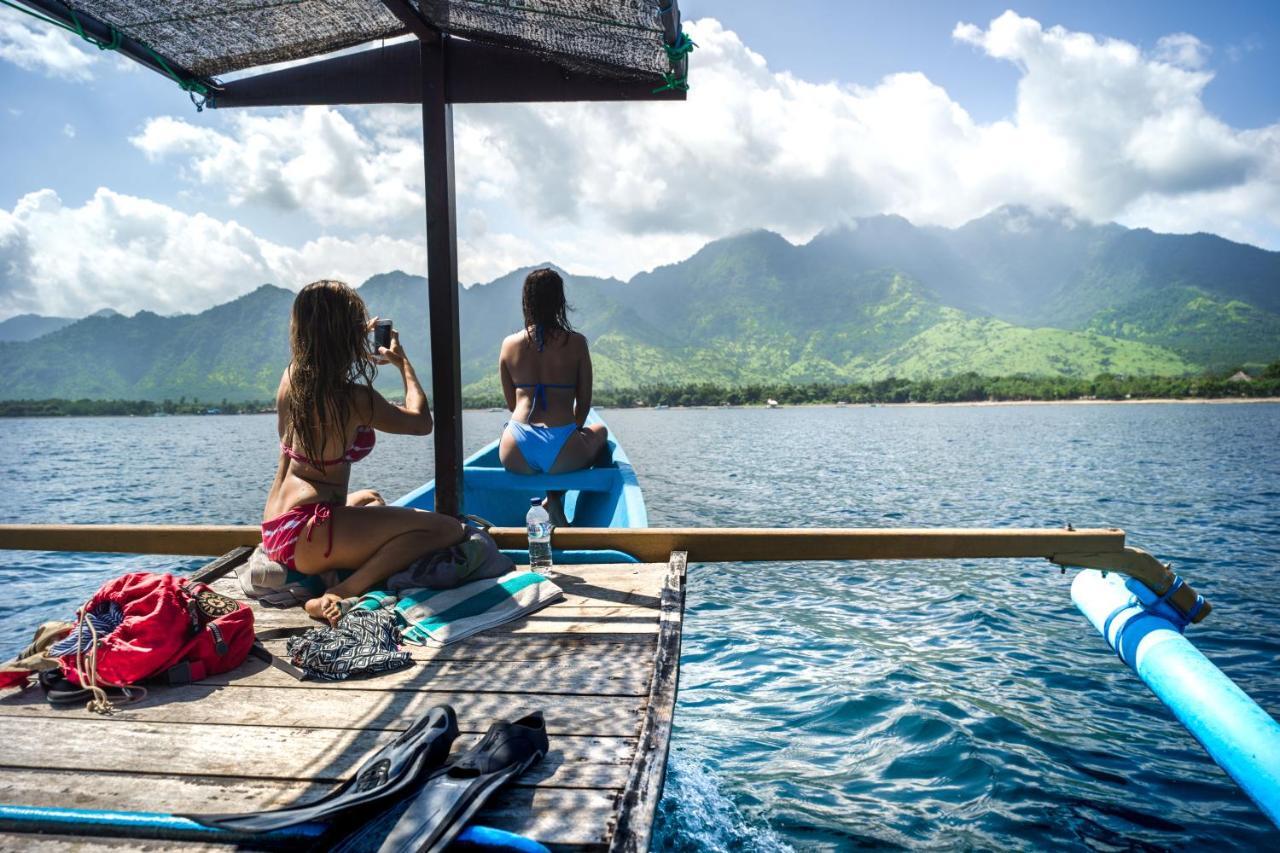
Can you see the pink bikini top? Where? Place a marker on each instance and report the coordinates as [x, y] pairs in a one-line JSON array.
[[360, 447]]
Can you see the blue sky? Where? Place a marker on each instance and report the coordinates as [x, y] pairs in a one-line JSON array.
[[860, 42], [116, 192]]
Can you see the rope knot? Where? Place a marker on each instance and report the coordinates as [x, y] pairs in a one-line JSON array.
[[670, 82]]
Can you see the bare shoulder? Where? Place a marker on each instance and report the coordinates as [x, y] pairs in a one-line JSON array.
[[512, 340], [282, 403], [282, 390], [578, 341], [363, 402]]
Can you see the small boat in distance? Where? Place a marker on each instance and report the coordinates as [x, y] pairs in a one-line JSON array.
[[771, 403]]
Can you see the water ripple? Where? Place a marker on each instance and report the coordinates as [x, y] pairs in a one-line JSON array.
[[833, 706]]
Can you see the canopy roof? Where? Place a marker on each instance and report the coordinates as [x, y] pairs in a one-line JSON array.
[[620, 39]]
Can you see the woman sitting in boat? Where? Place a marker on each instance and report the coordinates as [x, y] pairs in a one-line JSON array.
[[546, 378], [328, 412]]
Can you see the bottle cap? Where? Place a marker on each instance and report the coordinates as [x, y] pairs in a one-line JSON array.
[[535, 501]]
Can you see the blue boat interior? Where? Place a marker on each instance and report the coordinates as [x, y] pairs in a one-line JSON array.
[[604, 495]]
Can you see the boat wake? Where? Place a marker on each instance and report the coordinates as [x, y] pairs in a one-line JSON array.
[[696, 814]]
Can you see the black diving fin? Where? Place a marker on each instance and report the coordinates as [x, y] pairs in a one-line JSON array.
[[391, 772], [430, 819]]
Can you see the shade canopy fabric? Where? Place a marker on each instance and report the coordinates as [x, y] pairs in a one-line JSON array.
[[620, 39]]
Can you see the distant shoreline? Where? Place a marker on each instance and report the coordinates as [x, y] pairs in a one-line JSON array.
[[961, 403], [1208, 400], [908, 405]]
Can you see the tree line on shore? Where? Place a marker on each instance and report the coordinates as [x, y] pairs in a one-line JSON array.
[[963, 388], [139, 408]]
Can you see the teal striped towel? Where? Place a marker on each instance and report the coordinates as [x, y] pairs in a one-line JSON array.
[[437, 617]]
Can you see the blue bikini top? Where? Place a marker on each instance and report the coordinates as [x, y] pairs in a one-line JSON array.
[[540, 388], [540, 392]]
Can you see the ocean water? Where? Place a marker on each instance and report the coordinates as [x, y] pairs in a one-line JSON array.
[[830, 706]]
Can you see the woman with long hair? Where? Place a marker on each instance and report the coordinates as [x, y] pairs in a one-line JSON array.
[[327, 414], [545, 370]]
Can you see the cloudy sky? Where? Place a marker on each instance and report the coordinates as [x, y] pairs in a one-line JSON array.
[[116, 193]]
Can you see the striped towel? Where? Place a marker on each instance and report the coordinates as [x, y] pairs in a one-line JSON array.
[[435, 617], [106, 617]]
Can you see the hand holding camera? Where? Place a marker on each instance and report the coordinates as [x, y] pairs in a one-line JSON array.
[[386, 343]]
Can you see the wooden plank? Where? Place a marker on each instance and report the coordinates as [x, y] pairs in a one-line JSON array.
[[731, 544], [202, 539], [723, 544], [491, 646], [559, 816], [478, 74], [121, 789], [581, 677], [32, 843], [211, 572], [555, 816], [411, 18], [639, 802], [573, 651], [1137, 563], [269, 752], [326, 708], [611, 585], [637, 593], [556, 619]]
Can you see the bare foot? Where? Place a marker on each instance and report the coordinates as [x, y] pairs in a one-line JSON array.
[[555, 510], [326, 608]]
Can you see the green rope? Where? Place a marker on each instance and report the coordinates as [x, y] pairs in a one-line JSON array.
[[682, 48], [671, 83], [186, 85], [193, 86], [676, 52]]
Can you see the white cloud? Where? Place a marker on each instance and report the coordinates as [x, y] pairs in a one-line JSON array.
[[1100, 126], [1182, 49], [314, 161], [131, 253], [69, 130], [42, 48], [1122, 135]]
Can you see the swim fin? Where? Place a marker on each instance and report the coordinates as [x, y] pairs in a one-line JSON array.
[[393, 770], [430, 819]]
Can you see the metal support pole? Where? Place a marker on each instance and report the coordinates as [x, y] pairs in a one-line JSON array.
[[442, 276]]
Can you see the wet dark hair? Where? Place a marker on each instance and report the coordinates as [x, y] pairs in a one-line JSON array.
[[545, 311], [330, 356]]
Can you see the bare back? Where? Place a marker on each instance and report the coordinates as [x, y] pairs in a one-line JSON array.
[[551, 387], [297, 482]]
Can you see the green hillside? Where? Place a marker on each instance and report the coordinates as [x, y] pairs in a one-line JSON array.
[[1205, 328], [1011, 293], [996, 348]]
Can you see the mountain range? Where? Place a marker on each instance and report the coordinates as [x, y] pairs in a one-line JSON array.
[[1016, 291]]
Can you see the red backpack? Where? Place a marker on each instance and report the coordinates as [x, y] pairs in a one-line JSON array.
[[171, 628]]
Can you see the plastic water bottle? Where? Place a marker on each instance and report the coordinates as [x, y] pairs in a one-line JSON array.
[[539, 524]]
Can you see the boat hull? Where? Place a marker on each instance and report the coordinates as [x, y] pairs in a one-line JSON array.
[[605, 495]]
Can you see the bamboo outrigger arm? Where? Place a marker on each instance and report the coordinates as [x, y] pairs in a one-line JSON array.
[[1140, 565], [1101, 548]]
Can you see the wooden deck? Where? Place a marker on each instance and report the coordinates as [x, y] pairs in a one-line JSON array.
[[601, 665]]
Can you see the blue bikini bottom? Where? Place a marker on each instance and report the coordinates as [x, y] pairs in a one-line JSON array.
[[540, 445]]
